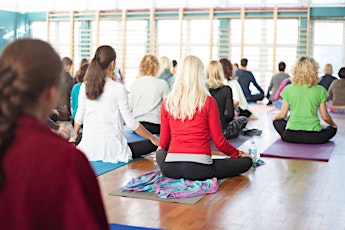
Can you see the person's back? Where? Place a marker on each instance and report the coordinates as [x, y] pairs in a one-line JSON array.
[[276, 81], [48, 182], [75, 90], [147, 94], [44, 180], [189, 120], [67, 84], [239, 100], [327, 79], [305, 99], [102, 110], [246, 77], [164, 70], [304, 102], [337, 90], [223, 95]]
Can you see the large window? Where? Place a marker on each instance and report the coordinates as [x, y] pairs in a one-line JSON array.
[[329, 44]]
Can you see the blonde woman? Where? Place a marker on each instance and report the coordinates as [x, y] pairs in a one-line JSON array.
[[304, 97], [164, 71], [327, 79], [189, 119], [223, 94], [147, 94]]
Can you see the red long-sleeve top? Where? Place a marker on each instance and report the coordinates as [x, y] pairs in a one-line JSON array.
[[193, 136], [49, 183]]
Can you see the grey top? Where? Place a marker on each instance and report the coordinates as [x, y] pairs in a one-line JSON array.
[[275, 83]]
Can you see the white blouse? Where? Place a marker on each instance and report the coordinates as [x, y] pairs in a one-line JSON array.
[[103, 137]]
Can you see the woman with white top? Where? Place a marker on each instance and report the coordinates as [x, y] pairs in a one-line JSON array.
[[102, 105], [239, 99], [147, 94]]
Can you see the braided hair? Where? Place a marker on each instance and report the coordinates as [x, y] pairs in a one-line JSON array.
[[27, 68], [95, 74]]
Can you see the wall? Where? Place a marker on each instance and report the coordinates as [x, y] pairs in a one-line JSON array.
[[12, 26]]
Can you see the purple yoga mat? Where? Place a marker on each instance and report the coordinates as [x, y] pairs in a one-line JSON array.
[[317, 152], [236, 142]]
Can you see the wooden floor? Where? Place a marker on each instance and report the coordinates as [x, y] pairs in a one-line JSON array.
[[283, 194]]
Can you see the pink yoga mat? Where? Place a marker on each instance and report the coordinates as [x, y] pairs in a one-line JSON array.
[[317, 152]]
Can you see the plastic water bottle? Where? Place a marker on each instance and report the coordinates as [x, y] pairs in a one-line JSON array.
[[253, 152]]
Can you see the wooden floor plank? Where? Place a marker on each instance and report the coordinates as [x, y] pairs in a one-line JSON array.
[[283, 194]]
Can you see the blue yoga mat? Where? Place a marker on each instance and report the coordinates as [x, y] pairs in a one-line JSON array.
[[101, 167], [126, 227], [131, 136]]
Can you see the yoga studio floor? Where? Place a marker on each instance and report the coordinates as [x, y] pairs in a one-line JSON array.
[[283, 194]]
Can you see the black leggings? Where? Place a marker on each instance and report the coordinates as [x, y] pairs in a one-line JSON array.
[[153, 128], [220, 168], [303, 137], [245, 113], [255, 98]]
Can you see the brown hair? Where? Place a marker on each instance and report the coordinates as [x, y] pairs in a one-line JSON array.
[[95, 74], [227, 68], [27, 68], [79, 76]]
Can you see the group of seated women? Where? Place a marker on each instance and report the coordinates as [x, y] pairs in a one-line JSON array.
[[39, 170]]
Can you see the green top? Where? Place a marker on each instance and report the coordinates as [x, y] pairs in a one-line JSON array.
[[304, 103]]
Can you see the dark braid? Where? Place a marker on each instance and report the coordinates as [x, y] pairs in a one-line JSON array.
[[27, 67], [10, 99]]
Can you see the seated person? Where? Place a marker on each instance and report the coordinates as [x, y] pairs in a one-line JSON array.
[[327, 79], [246, 77], [223, 94], [189, 119], [337, 93], [305, 98], [45, 182], [239, 100], [164, 71], [147, 94], [276, 81], [277, 100], [102, 108], [67, 83]]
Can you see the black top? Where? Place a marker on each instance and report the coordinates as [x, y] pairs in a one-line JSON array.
[[327, 80], [223, 97], [245, 78]]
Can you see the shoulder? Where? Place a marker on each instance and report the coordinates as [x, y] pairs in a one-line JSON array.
[[76, 86], [211, 102]]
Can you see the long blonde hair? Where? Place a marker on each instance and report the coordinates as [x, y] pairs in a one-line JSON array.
[[214, 75], [189, 92], [306, 72]]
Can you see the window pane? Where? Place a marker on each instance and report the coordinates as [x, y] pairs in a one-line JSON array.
[[168, 39], [328, 33], [39, 30], [329, 54]]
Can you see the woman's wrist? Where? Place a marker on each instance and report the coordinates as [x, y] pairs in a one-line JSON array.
[[240, 153]]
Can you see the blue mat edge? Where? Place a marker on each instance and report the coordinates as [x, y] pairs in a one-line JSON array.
[[107, 166], [127, 227]]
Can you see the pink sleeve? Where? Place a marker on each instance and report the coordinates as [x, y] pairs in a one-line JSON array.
[[280, 89]]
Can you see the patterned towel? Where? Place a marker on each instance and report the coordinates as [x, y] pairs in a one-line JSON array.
[[165, 187]]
